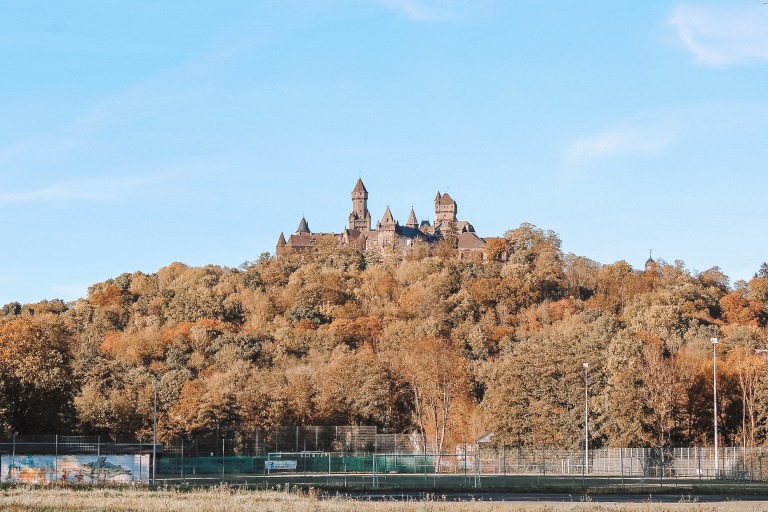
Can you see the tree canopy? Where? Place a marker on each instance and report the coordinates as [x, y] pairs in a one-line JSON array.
[[446, 348]]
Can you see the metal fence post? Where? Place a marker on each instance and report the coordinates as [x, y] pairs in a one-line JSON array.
[[661, 464], [698, 461], [621, 462], [465, 461], [504, 451]]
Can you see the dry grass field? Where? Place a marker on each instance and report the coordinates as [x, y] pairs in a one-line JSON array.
[[54, 499]]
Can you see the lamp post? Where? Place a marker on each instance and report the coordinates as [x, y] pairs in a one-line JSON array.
[[715, 341], [586, 417], [154, 427]]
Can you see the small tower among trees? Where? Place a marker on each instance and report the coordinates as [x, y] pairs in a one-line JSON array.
[[650, 264]]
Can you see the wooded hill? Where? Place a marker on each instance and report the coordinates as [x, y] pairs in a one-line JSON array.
[[429, 343]]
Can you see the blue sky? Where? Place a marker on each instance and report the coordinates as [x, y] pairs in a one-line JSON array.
[[139, 133]]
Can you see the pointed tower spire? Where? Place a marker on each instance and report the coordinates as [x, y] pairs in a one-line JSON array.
[[281, 240], [387, 218], [359, 187], [303, 226], [412, 222]]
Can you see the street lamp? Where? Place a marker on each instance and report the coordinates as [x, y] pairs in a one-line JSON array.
[[154, 427], [586, 418], [715, 341]]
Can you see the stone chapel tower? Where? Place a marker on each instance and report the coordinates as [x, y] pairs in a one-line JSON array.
[[360, 218]]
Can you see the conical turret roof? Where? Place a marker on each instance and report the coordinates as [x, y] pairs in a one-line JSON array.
[[412, 222], [359, 187], [387, 218], [303, 226], [281, 240]]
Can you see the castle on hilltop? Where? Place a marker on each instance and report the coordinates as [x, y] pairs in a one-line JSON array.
[[389, 233]]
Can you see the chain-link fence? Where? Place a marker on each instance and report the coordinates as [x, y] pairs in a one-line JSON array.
[[352, 450], [337, 469], [693, 462], [350, 439], [73, 445], [699, 462]]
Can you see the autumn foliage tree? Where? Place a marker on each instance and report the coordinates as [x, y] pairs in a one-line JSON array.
[[419, 342], [434, 371], [36, 384]]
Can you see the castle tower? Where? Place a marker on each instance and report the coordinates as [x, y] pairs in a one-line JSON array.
[[387, 222], [387, 229], [280, 248], [412, 222], [303, 227], [360, 218], [650, 264], [445, 209]]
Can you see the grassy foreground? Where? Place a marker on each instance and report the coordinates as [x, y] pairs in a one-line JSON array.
[[54, 499]]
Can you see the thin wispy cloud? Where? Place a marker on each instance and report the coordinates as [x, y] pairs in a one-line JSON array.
[[656, 132], [414, 10], [621, 140], [723, 35], [98, 189], [78, 132]]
